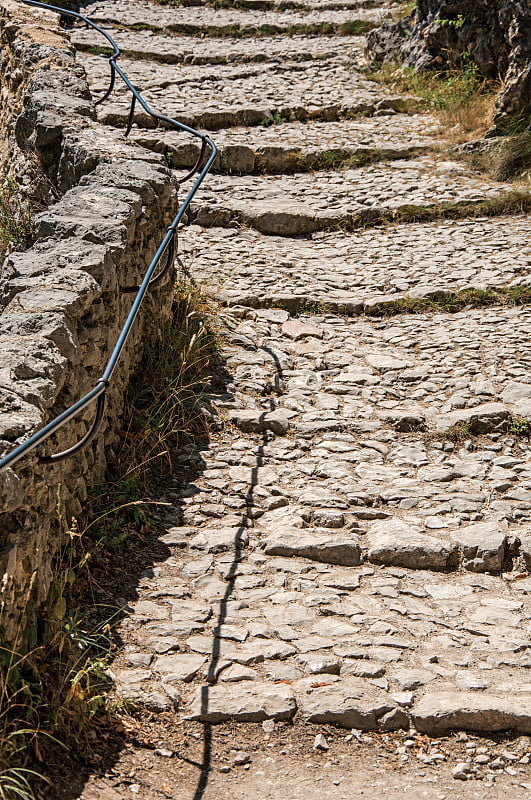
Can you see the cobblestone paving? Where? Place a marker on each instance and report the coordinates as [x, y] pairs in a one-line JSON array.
[[353, 272], [191, 50], [356, 547]]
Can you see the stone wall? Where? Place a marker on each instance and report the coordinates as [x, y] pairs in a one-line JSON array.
[[61, 302], [495, 35]]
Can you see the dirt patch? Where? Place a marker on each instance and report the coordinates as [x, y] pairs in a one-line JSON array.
[[162, 759]]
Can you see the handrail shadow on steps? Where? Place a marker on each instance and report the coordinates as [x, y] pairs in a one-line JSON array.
[[166, 249]]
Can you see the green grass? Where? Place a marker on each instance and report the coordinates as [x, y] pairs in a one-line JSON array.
[[96, 50], [164, 406], [441, 90], [298, 161], [444, 301]]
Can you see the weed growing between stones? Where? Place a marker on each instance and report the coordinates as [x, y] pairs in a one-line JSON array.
[[16, 226], [512, 202], [164, 410], [166, 405], [235, 31], [451, 302], [520, 428]]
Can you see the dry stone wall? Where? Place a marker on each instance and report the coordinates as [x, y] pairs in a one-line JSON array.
[[61, 302]]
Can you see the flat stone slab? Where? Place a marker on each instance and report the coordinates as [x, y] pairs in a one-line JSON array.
[[395, 543], [178, 666], [317, 545], [220, 540], [245, 702], [257, 421], [354, 272], [438, 713], [349, 704], [485, 418]]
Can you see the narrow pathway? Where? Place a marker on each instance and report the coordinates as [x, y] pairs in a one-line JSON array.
[[354, 550]]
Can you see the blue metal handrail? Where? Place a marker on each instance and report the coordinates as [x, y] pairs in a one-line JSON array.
[[167, 246]]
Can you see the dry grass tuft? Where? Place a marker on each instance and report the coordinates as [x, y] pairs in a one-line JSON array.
[[54, 691], [460, 97]]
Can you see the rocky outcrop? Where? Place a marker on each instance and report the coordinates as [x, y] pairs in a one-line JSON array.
[[61, 302], [495, 35]]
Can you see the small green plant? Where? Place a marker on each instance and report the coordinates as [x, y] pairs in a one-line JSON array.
[[458, 433], [456, 23], [16, 226], [520, 428], [278, 118]]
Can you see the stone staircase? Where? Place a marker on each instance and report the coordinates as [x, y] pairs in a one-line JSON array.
[[355, 547]]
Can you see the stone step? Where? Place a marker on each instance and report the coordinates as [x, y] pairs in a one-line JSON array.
[[362, 271], [282, 5], [398, 440], [221, 22], [151, 46], [299, 205], [302, 147], [243, 94], [354, 548]]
